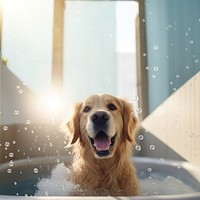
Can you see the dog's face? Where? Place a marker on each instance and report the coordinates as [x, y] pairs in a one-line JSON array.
[[102, 122]]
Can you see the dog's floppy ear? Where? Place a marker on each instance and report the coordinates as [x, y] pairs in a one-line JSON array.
[[73, 124], [130, 122]]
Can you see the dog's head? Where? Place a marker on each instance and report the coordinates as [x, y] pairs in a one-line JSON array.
[[102, 122]]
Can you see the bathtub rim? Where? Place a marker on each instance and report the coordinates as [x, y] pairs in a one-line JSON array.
[[192, 169]]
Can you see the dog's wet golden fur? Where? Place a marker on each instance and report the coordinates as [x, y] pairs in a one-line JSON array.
[[101, 132]]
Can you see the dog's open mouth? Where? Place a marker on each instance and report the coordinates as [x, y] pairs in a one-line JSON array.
[[102, 143]]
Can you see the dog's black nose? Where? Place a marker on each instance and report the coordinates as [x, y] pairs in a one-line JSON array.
[[100, 118]]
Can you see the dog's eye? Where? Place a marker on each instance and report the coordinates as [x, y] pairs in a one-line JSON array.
[[111, 106], [86, 109]]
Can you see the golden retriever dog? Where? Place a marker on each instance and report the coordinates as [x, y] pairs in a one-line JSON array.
[[102, 135]]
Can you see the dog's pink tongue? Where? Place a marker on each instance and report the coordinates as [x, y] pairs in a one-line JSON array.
[[102, 143]]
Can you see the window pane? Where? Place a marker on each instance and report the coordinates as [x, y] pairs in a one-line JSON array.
[[27, 41], [99, 48]]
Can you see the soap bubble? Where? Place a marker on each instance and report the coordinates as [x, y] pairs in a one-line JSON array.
[[187, 67], [155, 47], [153, 76], [20, 91], [5, 128], [9, 171], [7, 144], [140, 137], [191, 42], [11, 163], [11, 155], [138, 148], [28, 121], [136, 98], [35, 170], [139, 110], [155, 68], [149, 169], [152, 147], [16, 112]]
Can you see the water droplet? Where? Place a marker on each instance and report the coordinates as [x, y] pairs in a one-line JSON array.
[[20, 91], [16, 112], [144, 54], [191, 42], [14, 142], [11, 155], [177, 76], [138, 148], [50, 144], [5, 128], [35, 170], [15, 183], [155, 47], [9, 171], [18, 87], [140, 137], [153, 76], [196, 61], [187, 67], [171, 83], [174, 89], [152, 147], [25, 128]]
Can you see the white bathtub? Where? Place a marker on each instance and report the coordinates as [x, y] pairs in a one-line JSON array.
[[160, 179]]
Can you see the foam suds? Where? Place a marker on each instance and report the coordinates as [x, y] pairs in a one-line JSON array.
[[158, 184], [154, 184], [57, 184]]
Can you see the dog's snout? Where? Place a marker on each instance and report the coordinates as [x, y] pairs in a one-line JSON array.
[[100, 117]]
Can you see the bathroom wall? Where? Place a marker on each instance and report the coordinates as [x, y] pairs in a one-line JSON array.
[[173, 46], [175, 123], [27, 39]]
